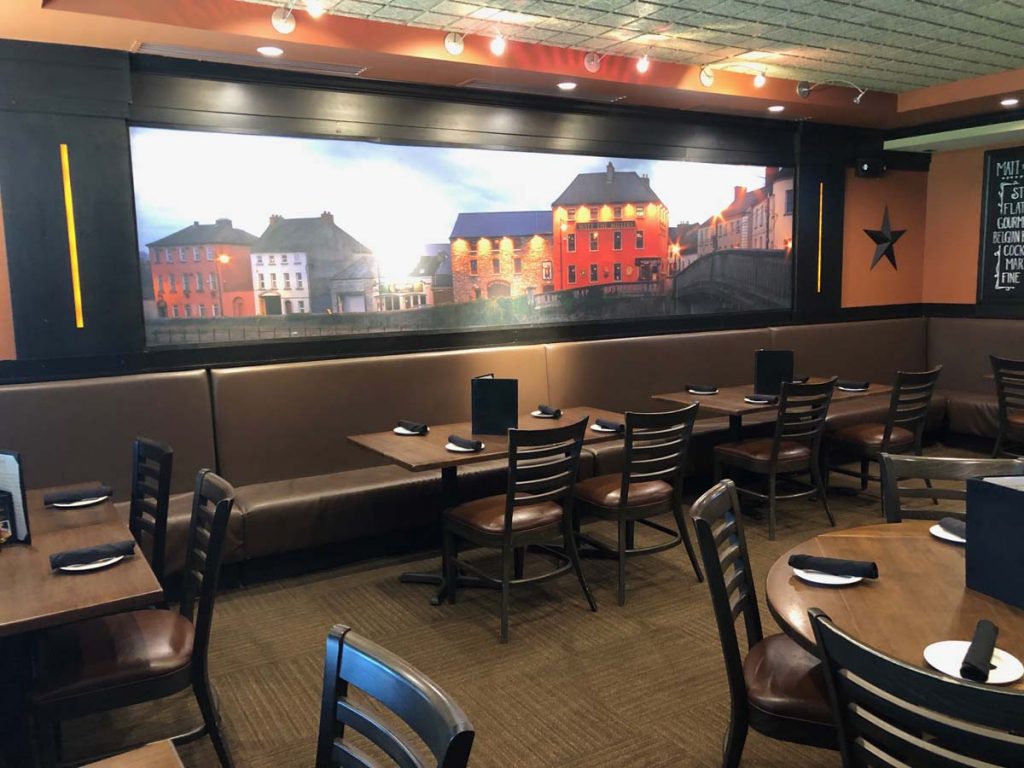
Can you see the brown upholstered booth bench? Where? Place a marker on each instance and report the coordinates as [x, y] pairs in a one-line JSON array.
[[279, 432]]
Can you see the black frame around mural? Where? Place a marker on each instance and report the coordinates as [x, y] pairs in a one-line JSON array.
[[88, 98]]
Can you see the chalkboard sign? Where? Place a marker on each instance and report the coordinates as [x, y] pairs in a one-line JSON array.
[[1001, 272]]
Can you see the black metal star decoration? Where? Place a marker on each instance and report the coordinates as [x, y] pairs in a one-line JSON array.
[[885, 238]]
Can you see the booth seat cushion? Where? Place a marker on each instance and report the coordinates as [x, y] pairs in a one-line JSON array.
[[972, 413], [875, 408], [963, 346], [179, 516]]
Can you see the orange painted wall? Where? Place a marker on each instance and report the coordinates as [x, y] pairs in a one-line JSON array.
[[905, 193]]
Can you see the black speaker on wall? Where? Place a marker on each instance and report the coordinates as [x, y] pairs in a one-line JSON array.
[[870, 167]]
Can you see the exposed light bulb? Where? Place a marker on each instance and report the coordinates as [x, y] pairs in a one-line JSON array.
[[643, 64], [707, 77], [760, 80], [283, 21], [315, 8], [270, 50], [498, 45], [454, 43]]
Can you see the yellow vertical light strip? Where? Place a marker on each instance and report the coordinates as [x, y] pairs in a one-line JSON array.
[[69, 207], [821, 211]]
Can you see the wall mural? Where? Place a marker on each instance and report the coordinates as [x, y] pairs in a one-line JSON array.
[[247, 238]]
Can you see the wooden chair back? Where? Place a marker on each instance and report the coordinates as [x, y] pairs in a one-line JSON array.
[[723, 548], [542, 466], [1009, 375], [152, 462], [898, 468], [656, 447], [890, 713], [211, 508], [802, 412], [351, 660], [909, 403]]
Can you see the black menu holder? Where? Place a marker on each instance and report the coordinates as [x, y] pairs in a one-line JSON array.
[[495, 404], [995, 530], [771, 368]]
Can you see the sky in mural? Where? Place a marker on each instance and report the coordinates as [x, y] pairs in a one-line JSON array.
[[394, 199]]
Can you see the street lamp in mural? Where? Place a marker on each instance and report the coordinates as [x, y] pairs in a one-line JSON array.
[[221, 287]]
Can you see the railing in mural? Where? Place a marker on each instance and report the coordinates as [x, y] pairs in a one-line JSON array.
[[744, 278]]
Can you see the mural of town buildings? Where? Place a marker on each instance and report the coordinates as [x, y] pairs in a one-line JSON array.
[[308, 237]]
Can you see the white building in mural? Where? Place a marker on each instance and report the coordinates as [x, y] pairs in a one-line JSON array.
[[281, 283]]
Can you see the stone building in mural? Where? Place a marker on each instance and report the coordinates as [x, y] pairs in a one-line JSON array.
[[501, 253]]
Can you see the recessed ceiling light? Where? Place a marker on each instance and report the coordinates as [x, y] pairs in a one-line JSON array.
[[568, 85], [454, 43], [707, 77], [315, 8], [776, 108], [283, 21], [269, 50], [643, 64], [760, 80], [498, 45], [1010, 102]]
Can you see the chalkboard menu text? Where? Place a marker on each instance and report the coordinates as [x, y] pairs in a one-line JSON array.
[[1001, 277]]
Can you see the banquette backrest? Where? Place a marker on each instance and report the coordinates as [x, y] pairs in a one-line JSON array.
[[962, 346], [870, 349], [276, 422], [622, 374], [82, 430]]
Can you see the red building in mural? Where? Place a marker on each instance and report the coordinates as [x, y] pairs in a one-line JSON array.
[[610, 228], [203, 270]]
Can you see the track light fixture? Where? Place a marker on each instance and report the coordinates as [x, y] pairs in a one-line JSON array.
[[707, 77], [454, 43], [282, 20], [592, 62], [498, 45], [804, 88], [760, 80], [315, 8], [643, 64]]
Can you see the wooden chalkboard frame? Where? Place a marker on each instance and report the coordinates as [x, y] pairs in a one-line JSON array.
[[988, 293]]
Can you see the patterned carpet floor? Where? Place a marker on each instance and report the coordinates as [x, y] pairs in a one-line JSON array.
[[641, 685]]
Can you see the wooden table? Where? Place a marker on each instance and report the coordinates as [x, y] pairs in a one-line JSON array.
[[420, 453], [159, 754], [919, 598], [729, 402], [34, 597]]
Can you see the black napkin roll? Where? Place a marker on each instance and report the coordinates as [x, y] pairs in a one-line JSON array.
[[701, 389], [414, 426], [606, 424], [766, 399], [954, 525], [87, 555], [78, 494], [845, 384], [550, 410], [835, 566], [465, 442], [801, 379], [978, 659]]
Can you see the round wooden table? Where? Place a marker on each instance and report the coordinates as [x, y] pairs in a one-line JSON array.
[[919, 598]]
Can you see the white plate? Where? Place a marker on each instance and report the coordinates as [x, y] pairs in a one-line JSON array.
[[708, 392], [596, 428], [404, 431], [459, 449], [853, 389], [948, 655], [753, 401], [79, 503], [826, 579], [941, 533], [94, 566], [540, 415]]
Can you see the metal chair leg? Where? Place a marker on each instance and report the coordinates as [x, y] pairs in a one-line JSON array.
[[771, 507], [506, 577], [819, 483], [520, 562], [211, 718], [574, 556], [622, 561], [865, 466], [684, 533], [450, 565]]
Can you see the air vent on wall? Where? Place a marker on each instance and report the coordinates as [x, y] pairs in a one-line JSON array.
[[241, 59], [540, 90]]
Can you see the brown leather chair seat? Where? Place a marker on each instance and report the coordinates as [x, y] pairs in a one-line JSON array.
[[606, 491], [179, 515], [488, 514], [869, 437], [757, 454], [111, 651], [785, 680]]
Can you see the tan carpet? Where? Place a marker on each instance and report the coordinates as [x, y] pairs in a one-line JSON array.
[[641, 685]]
